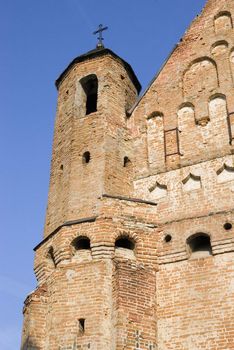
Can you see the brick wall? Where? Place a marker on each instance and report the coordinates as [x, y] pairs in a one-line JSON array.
[[160, 181]]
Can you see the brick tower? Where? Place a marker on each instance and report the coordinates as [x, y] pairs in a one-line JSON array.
[[138, 248]]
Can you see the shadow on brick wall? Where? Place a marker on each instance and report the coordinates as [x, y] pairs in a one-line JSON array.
[[28, 345]]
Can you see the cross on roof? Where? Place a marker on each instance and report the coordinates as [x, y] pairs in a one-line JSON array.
[[100, 38]]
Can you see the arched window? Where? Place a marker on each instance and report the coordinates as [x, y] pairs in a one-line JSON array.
[[81, 249], [81, 243], [199, 245], [124, 248], [124, 242], [51, 258], [90, 87]]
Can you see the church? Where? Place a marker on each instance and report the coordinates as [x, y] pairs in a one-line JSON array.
[[138, 245]]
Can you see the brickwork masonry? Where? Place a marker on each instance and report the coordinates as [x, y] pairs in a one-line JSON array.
[[138, 245]]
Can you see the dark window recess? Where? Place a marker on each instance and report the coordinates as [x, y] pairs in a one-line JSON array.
[[81, 243], [127, 162], [51, 257], [168, 238], [124, 243], [90, 86], [81, 324], [200, 244], [227, 226], [86, 157]]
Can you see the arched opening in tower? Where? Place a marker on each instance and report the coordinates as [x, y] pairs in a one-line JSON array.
[[90, 87]]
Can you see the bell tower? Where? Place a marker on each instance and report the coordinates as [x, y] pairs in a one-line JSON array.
[[139, 228], [89, 156], [74, 305]]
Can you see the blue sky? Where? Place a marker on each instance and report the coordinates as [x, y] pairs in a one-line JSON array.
[[37, 41]]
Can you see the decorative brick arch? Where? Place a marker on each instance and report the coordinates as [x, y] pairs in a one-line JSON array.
[[155, 139], [223, 22], [219, 47], [193, 85], [125, 234]]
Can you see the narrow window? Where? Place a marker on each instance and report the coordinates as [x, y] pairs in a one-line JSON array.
[[51, 258], [81, 325], [127, 162], [86, 158], [90, 87], [199, 246]]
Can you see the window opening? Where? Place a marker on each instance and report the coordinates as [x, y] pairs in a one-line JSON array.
[[50, 256], [86, 157], [127, 162], [81, 243], [90, 86], [124, 242], [199, 246], [227, 226], [168, 238], [81, 322]]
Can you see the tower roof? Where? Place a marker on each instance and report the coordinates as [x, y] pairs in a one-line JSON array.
[[98, 52]]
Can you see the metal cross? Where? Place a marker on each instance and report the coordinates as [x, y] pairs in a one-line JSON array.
[[100, 38]]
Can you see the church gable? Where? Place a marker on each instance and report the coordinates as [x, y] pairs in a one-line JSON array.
[[194, 94]]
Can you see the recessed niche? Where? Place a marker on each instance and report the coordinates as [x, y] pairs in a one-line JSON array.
[[193, 85], [86, 158], [232, 62], [219, 48], [223, 22], [225, 174], [191, 183], [158, 190]]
